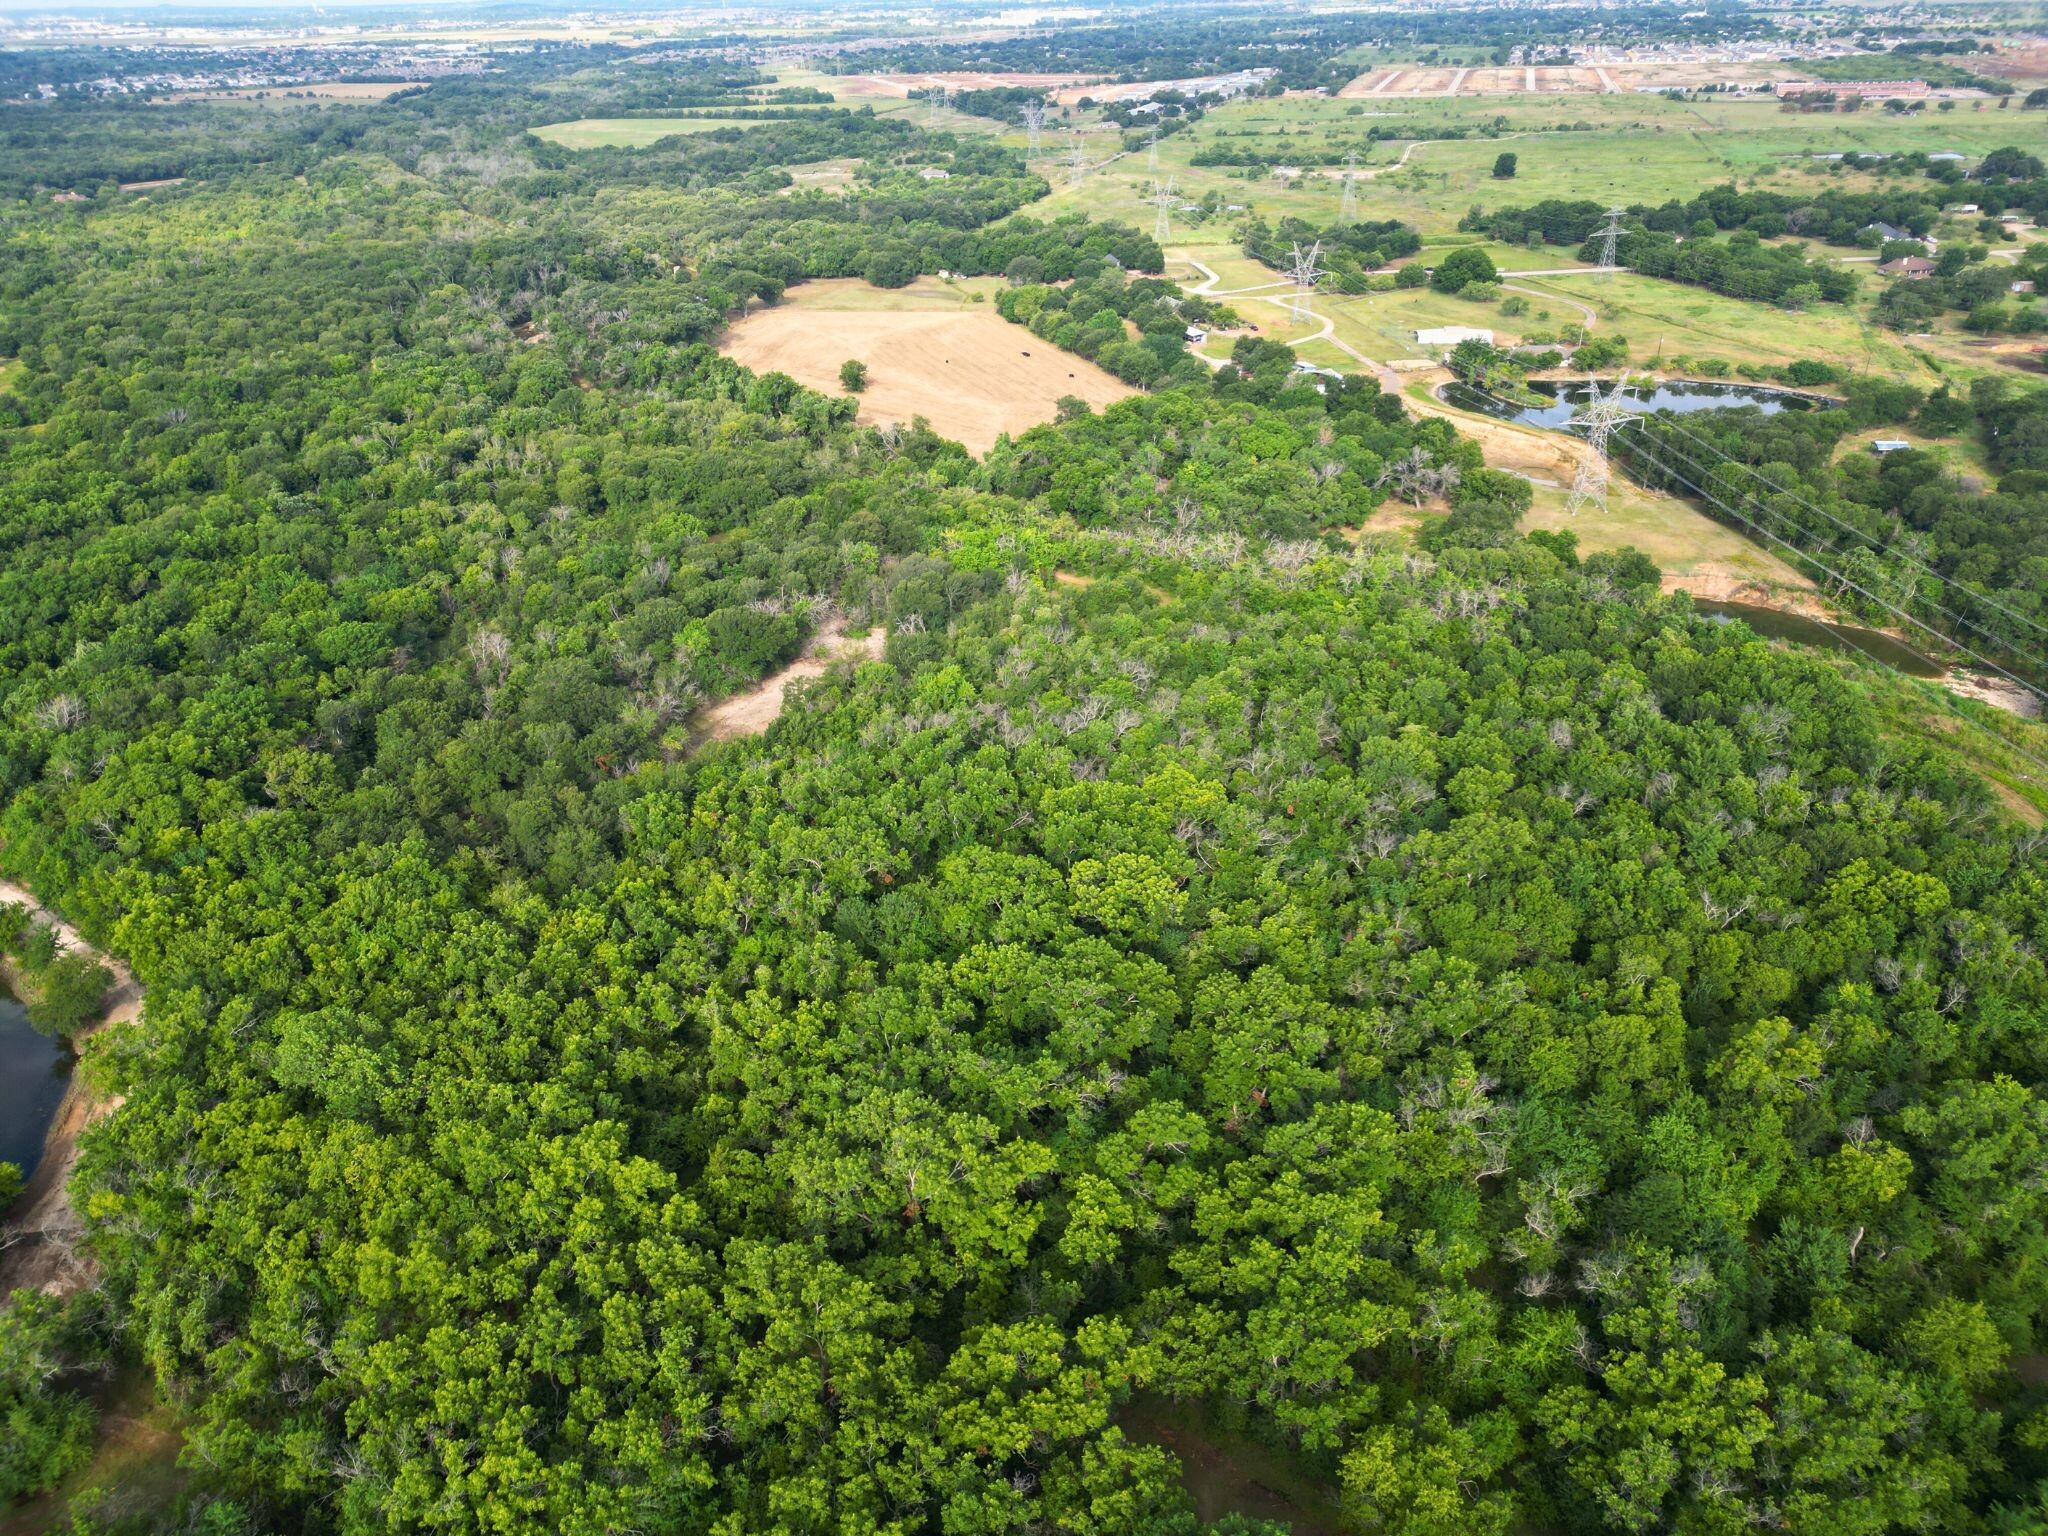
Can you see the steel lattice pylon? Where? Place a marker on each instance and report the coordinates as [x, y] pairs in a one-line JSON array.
[[1304, 267], [1077, 160], [1034, 123], [1610, 236], [1162, 199], [1347, 210], [1600, 416], [1152, 149]]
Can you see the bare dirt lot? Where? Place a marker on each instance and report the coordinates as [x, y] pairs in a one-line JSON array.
[[965, 369], [1555, 79], [900, 86], [2027, 63]]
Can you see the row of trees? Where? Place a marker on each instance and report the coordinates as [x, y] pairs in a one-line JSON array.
[[1741, 266]]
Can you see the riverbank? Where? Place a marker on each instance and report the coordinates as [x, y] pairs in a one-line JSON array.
[[39, 1244]]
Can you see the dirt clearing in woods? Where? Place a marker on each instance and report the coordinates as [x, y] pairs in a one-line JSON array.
[[752, 712], [966, 370]]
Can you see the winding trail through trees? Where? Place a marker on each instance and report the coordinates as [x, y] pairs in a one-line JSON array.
[[39, 1245]]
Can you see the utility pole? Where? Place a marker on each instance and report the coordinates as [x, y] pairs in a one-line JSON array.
[[1601, 416], [1304, 267]]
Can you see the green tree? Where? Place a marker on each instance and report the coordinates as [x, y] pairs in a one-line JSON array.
[[69, 994], [1466, 264]]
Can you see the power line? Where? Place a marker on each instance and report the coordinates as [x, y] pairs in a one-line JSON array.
[[1837, 575], [1829, 545], [1808, 557], [1872, 539], [1669, 420]]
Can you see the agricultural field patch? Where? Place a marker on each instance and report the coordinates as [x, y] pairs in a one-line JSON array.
[[930, 352]]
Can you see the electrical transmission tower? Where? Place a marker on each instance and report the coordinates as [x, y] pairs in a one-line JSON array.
[[1610, 236], [934, 104], [1077, 160], [1034, 122], [1163, 199], [1601, 416], [1347, 211], [1304, 268], [1152, 149]]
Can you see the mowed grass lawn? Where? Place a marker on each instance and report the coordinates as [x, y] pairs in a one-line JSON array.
[[636, 132]]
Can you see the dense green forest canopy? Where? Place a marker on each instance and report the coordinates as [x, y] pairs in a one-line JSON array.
[[1542, 1060]]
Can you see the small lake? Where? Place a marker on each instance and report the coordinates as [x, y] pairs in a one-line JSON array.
[[34, 1071], [1774, 624], [1681, 395], [1227, 1472]]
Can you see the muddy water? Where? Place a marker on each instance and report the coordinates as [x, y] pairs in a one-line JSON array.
[[1227, 1472], [1775, 624], [34, 1070]]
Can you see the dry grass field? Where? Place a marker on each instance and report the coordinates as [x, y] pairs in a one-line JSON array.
[[930, 352], [636, 132], [330, 90]]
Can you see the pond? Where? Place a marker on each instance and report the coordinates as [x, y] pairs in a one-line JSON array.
[[1227, 1472], [34, 1071], [1775, 624], [1681, 395]]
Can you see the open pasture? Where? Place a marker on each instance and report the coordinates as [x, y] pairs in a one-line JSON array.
[[930, 351], [1628, 147], [635, 132]]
